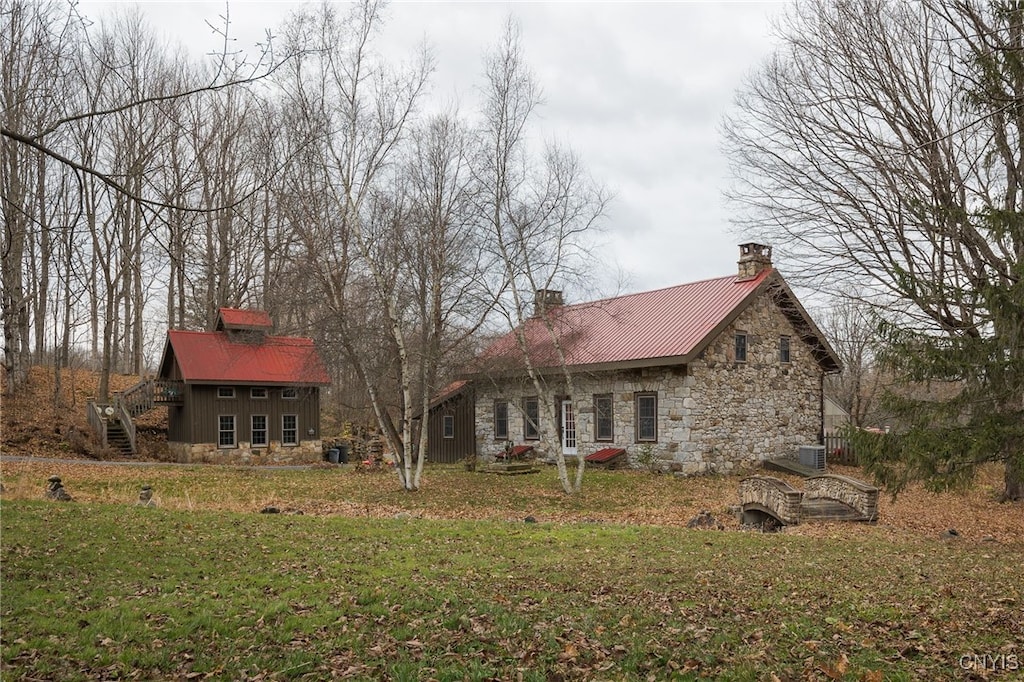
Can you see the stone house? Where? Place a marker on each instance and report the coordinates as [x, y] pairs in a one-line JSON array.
[[693, 378], [239, 394]]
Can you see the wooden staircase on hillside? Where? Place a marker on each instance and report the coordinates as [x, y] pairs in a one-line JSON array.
[[114, 422]]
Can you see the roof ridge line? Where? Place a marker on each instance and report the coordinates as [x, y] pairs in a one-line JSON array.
[[668, 288]]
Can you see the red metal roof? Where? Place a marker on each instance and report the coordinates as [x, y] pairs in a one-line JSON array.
[[663, 324], [236, 318], [211, 357], [449, 391]]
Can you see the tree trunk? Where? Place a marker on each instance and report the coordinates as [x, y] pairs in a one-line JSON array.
[[42, 289], [1014, 481]]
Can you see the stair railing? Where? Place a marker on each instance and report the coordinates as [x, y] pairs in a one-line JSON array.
[[138, 399], [97, 420], [127, 422]]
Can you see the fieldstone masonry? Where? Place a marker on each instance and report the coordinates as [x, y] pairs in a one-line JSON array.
[[857, 494], [146, 497], [772, 494], [55, 490], [306, 452], [713, 415]]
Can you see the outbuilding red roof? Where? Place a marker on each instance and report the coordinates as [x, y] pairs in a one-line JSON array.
[[646, 328], [213, 357]]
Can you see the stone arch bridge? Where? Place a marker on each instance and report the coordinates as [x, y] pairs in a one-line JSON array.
[[827, 497]]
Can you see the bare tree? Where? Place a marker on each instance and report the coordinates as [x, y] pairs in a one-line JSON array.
[[443, 268], [31, 61], [881, 148], [359, 112], [540, 214], [70, 108], [853, 334]]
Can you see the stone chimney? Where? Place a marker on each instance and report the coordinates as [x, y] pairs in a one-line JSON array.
[[754, 258], [544, 300]]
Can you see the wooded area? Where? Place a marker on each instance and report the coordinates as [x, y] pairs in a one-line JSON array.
[[143, 190]]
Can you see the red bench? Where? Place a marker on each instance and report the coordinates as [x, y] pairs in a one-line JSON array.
[[605, 456]]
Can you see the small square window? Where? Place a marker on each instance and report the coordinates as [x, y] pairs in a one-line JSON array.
[[225, 391], [258, 393], [741, 348], [290, 393], [784, 349], [448, 426]]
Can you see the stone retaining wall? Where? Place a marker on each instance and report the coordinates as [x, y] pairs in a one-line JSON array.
[[306, 452]]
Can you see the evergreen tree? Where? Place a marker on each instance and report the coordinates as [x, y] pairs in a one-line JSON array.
[[882, 149]]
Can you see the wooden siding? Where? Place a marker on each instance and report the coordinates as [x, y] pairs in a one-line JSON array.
[[197, 420], [449, 450]]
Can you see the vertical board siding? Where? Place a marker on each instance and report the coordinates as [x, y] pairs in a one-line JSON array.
[[450, 450], [196, 422]]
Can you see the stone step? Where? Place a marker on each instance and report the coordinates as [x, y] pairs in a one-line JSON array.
[[790, 466], [511, 468]]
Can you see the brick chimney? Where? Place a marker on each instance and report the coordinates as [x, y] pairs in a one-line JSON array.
[[754, 258], [544, 300]]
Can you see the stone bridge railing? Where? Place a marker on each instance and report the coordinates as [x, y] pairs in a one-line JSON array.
[[772, 495], [851, 492]]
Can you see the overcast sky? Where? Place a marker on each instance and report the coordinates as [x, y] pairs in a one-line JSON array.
[[637, 89]]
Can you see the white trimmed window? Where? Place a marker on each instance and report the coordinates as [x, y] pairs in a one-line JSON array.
[[289, 429], [448, 426], [258, 393], [225, 391], [290, 393], [226, 431], [259, 430]]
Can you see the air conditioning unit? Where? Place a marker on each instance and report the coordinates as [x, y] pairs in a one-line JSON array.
[[812, 456]]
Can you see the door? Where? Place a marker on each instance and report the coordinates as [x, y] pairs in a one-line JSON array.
[[568, 428]]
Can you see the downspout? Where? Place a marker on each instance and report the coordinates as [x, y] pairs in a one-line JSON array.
[[821, 407]]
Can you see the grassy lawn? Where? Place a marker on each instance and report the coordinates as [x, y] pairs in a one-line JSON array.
[[203, 587]]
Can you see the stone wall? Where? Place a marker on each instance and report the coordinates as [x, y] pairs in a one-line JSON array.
[[713, 415], [747, 412], [306, 452]]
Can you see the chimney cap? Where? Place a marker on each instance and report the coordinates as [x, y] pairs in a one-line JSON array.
[[754, 259], [545, 299], [755, 249]]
